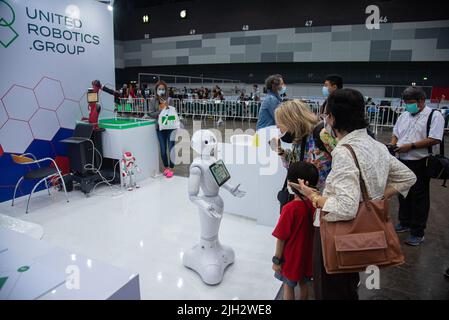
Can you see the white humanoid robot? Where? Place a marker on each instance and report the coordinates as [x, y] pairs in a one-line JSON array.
[[209, 258]]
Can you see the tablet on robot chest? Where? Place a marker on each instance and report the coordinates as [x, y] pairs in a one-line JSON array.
[[219, 172]]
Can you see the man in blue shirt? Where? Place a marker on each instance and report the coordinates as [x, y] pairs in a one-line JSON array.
[[276, 87]]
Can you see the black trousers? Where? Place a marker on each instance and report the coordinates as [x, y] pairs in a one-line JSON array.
[[414, 209], [342, 286]]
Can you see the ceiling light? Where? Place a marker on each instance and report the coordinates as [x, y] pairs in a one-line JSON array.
[[183, 14]]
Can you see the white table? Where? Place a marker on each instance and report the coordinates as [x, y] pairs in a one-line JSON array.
[[140, 139], [53, 273], [261, 174]]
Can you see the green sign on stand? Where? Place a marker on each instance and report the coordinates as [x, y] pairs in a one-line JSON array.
[[2, 282]]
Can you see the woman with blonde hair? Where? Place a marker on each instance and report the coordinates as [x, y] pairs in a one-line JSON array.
[[297, 123]]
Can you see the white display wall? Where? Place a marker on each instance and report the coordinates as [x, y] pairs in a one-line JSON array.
[[50, 52]]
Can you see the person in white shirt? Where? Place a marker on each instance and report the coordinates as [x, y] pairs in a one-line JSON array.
[[384, 176], [413, 147]]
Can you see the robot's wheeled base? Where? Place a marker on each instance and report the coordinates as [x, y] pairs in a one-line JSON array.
[[209, 260]]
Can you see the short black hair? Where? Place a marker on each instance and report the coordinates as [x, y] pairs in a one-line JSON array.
[[273, 81], [414, 93], [305, 171], [335, 79], [347, 107]]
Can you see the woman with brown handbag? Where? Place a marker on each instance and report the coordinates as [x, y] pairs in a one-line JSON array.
[[354, 211]]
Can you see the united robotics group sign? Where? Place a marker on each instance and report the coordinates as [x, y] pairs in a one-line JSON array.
[[50, 51], [47, 31]]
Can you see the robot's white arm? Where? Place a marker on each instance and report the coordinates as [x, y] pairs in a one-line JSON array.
[[194, 190], [234, 190], [136, 166]]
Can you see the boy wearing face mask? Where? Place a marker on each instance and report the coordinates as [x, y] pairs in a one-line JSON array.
[[413, 148], [292, 261], [160, 102]]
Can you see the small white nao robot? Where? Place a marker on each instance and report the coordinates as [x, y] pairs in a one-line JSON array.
[[129, 169], [209, 258]]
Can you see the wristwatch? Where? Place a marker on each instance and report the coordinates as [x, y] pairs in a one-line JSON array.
[[413, 146], [277, 261]]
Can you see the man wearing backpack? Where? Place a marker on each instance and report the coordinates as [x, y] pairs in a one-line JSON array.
[[414, 143]]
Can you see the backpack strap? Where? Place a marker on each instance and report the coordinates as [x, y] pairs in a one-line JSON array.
[[429, 124]]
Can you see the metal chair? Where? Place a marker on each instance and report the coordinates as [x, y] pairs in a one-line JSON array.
[[41, 173]]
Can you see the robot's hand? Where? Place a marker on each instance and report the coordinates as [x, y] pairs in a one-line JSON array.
[[236, 192], [212, 211]]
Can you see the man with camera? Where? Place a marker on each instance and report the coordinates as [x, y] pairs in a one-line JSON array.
[[413, 145]]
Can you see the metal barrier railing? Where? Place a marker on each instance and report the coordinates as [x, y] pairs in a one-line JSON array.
[[379, 117], [137, 106], [243, 110], [202, 109]]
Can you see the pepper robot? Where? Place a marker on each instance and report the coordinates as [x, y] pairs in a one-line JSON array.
[[128, 167], [209, 258]]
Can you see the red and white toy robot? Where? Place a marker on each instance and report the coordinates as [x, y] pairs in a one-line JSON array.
[[129, 169]]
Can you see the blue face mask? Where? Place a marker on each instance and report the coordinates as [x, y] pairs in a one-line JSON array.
[[412, 108], [325, 91], [282, 90], [160, 92]]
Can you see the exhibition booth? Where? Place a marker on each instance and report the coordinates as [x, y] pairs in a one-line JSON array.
[[85, 212]]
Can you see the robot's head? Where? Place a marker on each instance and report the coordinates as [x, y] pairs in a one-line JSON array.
[[204, 142], [96, 84], [127, 156]]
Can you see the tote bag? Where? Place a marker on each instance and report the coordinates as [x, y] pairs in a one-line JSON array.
[[168, 119], [369, 239]]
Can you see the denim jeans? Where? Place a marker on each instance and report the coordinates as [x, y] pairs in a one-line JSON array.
[[164, 142]]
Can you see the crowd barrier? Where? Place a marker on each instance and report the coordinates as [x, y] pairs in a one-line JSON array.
[[379, 117]]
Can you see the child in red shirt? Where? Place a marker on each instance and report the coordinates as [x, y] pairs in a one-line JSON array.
[[292, 261]]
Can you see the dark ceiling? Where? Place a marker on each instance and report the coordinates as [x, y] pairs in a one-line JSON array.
[[211, 16]]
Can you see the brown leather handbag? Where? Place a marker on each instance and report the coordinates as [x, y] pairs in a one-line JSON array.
[[369, 239]]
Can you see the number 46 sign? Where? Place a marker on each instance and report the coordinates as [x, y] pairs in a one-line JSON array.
[[374, 19]]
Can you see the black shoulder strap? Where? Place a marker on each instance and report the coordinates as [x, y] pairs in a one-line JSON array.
[[316, 136], [303, 148], [301, 157], [429, 124]]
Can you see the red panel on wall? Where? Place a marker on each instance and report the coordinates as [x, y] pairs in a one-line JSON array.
[[438, 92]]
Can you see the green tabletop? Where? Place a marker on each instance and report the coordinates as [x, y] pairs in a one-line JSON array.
[[124, 123]]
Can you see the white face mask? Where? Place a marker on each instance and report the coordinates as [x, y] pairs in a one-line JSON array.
[[160, 92], [290, 190]]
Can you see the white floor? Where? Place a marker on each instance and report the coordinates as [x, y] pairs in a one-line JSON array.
[[146, 231]]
